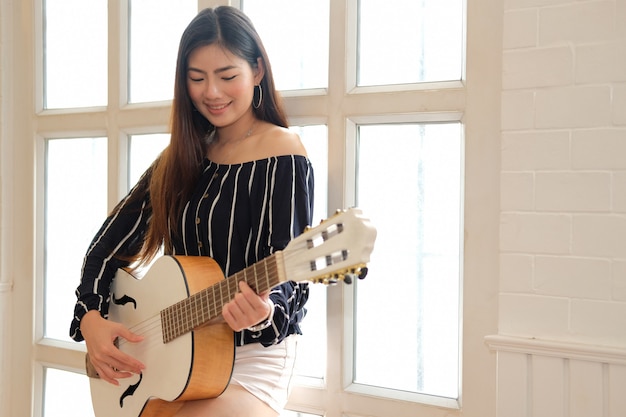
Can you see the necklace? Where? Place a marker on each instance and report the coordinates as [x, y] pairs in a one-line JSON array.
[[212, 139], [215, 142]]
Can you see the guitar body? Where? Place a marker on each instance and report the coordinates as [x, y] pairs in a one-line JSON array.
[[188, 355], [196, 365]]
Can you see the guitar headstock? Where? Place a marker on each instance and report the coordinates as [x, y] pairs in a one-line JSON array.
[[335, 250]]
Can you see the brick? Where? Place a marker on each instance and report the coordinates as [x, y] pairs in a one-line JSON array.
[[618, 192], [516, 191], [573, 277], [516, 273], [531, 151], [619, 280], [620, 18], [619, 105], [562, 24], [597, 63], [520, 29], [601, 149], [599, 235], [517, 110], [537, 68], [573, 192], [534, 316], [558, 108], [535, 233], [522, 4], [599, 322]]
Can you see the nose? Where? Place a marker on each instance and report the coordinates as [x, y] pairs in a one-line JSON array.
[[211, 90]]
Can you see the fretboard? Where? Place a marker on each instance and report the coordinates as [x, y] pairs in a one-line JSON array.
[[207, 304]]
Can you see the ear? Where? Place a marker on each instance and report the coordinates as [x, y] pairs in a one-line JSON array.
[[259, 71]]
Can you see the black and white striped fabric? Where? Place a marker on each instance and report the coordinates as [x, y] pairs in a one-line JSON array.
[[237, 215]]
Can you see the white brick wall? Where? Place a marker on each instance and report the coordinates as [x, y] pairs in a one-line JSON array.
[[563, 180]]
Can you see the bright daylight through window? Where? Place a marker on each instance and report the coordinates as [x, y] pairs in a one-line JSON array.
[[406, 174]]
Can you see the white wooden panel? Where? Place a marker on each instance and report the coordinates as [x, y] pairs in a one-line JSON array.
[[548, 387], [586, 389], [512, 384], [617, 391]]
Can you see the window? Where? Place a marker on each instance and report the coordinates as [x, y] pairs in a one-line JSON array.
[[423, 41], [418, 248], [393, 139], [152, 50], [407, 175], [298, 46], [75, 79], [74, 208]]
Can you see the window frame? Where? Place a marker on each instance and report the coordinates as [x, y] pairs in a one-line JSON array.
[[477, 102]]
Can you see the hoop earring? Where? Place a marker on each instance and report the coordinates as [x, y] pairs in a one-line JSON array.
[[257, 105]]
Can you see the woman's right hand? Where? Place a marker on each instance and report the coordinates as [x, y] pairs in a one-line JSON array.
[[100, 336]]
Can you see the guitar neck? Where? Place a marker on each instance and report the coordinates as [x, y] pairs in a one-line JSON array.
[[205, 305]]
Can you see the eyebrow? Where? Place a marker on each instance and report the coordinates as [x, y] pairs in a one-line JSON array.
[[217, 71]]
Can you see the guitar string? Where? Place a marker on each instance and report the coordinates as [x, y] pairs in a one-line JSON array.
[[153, 324], [189, 306]]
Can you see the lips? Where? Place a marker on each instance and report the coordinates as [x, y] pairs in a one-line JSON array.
[[217, 108]]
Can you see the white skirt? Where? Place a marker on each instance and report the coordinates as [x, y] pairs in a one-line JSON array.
[[266, 372]]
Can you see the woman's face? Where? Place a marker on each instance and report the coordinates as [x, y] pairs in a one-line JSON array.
[[221, 84]]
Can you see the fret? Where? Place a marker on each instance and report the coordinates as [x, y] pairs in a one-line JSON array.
[[203, 305], [187, 324], [256, 278], [267, 278], [207, 304], [195, 312], [171, 322], [184, 315], [213, 304], [164, 325], [177, 316], [218, 300]]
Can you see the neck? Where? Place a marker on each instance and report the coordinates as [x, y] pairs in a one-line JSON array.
[[234, 134]]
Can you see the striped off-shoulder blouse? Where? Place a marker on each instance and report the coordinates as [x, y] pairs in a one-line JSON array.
[[237, 215]]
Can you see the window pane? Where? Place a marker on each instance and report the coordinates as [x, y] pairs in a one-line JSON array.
[[422, 42], [143, 151], [75, 205], [288, 413], [297, 44], [417, 250], [315, 140], [311, 358], [75, 53], [66, 394], [155, 30]]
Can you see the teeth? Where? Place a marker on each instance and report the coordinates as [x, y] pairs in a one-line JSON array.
[[220, 107]]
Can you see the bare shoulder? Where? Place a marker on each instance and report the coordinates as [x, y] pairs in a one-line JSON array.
[[277, 140]]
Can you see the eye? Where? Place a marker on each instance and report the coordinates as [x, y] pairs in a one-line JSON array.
[[196, 79], [229, 78]]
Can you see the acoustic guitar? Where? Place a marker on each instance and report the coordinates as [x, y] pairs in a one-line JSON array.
[[187, 354]]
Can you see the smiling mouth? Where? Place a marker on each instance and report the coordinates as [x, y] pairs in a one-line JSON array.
[[217, 106]]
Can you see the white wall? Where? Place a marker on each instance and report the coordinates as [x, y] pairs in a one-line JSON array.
[[563, 209], [561, 345], [6, 190]]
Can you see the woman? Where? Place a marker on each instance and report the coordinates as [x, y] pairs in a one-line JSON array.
[[234, 184]]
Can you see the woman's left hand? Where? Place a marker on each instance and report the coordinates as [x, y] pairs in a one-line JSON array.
[[247, 308]]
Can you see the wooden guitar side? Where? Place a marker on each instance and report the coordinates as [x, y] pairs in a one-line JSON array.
[[197, 365]]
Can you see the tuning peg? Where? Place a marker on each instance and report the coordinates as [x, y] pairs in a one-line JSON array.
[[363, 273], [348, 278]]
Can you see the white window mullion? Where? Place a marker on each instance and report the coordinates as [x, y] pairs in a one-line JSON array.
[[118, 99]]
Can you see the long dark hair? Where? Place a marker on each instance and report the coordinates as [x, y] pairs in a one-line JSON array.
[[177, 170]]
